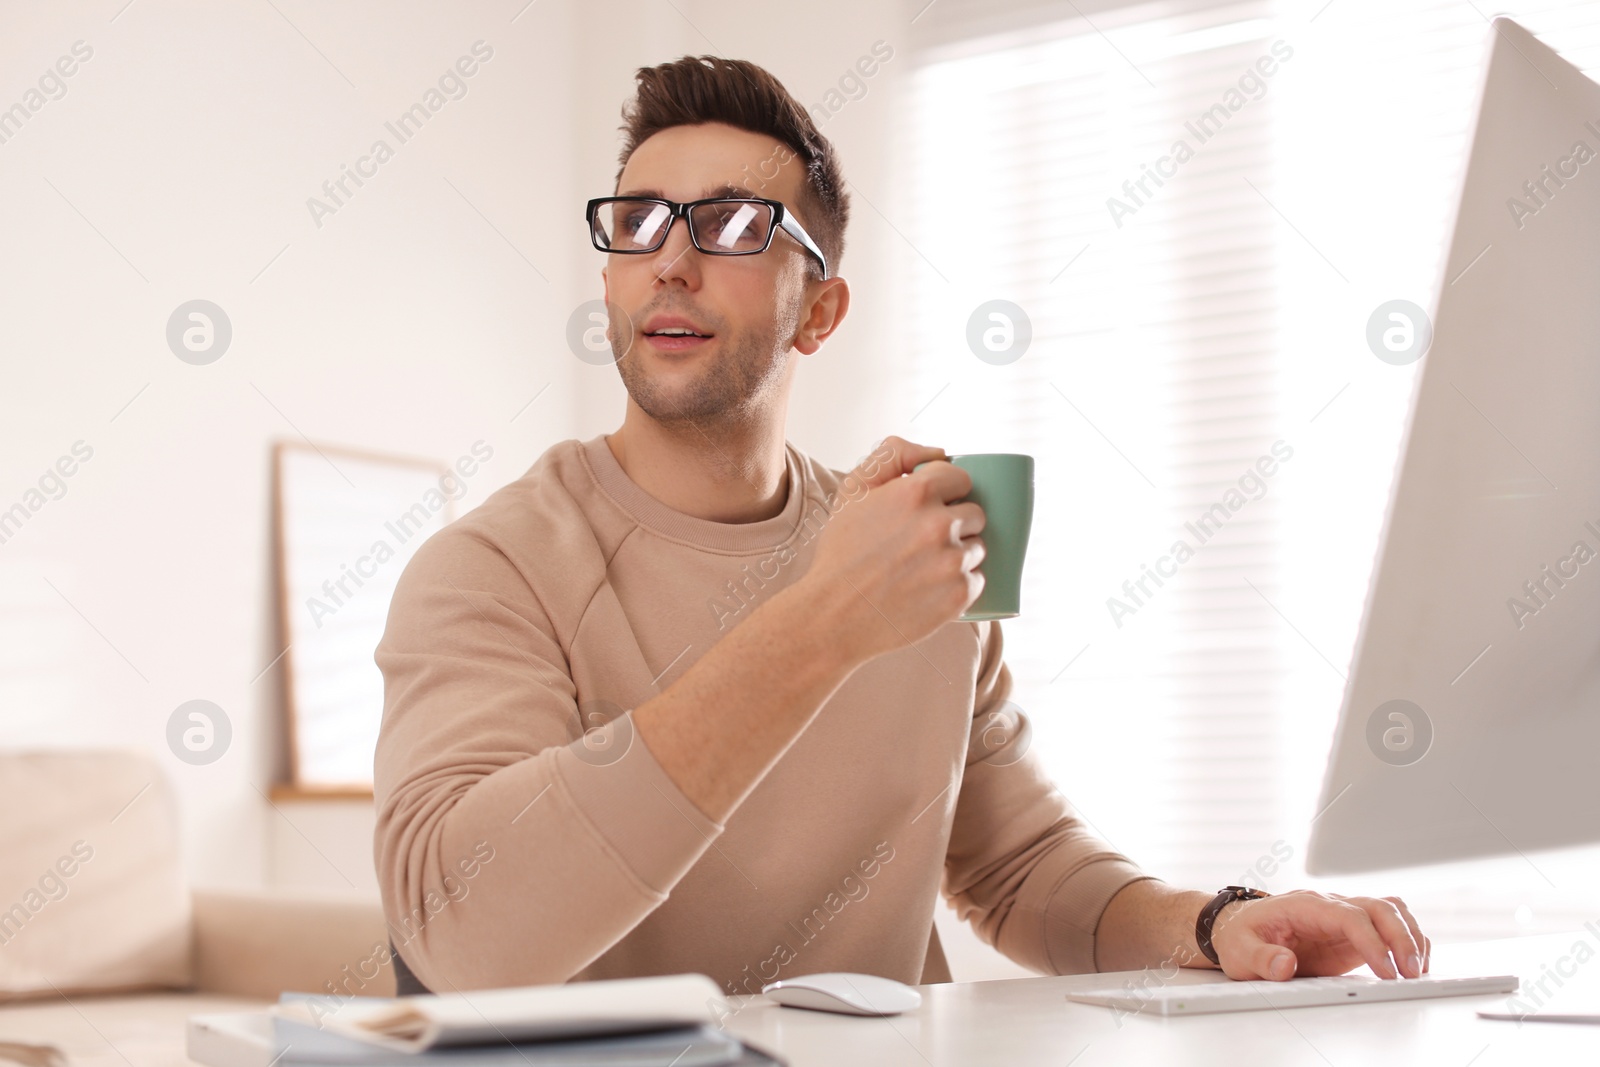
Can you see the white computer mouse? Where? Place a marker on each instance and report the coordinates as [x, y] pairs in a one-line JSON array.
[[845, 993]]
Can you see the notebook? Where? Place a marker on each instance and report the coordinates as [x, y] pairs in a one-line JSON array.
[[499, 1016], [661, 1021], [250, 1039]]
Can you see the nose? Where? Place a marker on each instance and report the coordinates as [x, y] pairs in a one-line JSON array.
[[677, 257]]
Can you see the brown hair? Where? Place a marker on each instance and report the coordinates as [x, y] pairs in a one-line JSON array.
[[699, 89]]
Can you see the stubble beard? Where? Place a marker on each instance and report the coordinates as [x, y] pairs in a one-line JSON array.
[[726, 391]]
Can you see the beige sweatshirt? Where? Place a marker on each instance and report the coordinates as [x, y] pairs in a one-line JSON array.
[[514, 848]]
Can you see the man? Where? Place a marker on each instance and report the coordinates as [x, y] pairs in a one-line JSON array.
[[682, 699]]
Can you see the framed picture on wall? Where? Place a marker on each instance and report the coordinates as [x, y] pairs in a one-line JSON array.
[[346, 523]]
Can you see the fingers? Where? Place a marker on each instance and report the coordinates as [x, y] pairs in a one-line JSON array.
[[1253, 958], [1416, 931], [1308, 920], [967, 520], [972, 553], [1358, 927], [893, 457], [946, 481], [1398, 929], [973, 550], [1321, 933]]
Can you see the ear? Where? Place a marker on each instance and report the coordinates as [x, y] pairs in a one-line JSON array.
[[830, 301]]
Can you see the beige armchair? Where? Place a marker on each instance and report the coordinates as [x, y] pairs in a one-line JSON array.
[[105, 951]]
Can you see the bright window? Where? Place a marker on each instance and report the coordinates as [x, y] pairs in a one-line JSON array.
[[1197, 207]]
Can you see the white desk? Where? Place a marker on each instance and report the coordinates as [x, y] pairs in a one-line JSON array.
[[1008, 1024], [1029, 1021]]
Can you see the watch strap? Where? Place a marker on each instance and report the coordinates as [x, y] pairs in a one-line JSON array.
[[1208, 916]]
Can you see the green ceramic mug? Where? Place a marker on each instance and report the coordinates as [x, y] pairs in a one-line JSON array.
[[1002, 485]]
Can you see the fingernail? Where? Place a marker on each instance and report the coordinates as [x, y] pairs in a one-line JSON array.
[[1414, 964], [1282, 965]]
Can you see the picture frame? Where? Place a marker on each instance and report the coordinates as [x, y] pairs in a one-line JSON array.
[[345, 523]]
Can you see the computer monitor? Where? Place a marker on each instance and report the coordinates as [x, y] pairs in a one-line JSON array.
[[1471, 718]]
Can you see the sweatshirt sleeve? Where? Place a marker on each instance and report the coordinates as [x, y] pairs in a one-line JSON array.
[[1021, 866], [511, 849]]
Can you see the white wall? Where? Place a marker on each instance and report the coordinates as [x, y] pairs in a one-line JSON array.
[[178, 165], [418, 317]]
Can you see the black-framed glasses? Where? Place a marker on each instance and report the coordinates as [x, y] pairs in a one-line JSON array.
[[721, 226]]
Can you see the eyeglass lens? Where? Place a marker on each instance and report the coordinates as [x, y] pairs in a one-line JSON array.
[[720, 226]]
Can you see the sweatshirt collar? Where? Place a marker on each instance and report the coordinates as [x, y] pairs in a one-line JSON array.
[[703, 533]]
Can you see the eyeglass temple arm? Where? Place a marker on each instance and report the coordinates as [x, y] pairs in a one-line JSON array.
[[795, 230]]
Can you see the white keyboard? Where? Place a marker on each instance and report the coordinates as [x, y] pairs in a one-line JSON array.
[[1204, 998]]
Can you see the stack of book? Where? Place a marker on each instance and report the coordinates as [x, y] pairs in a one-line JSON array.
[[633, 1022]]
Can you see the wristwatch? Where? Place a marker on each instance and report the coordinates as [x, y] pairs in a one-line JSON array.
[[1209, 913]]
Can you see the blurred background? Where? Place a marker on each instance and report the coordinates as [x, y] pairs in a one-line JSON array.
[[1166, 317]]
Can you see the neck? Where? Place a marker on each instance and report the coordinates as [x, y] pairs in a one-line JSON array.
[[714, 471]]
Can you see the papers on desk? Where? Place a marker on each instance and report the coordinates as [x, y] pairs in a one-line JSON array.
[[636, 1022], [501, 1016]]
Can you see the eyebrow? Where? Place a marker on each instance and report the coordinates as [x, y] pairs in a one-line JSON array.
[[719, 191]]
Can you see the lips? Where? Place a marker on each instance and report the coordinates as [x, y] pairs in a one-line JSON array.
[[667, 333], [660, 325], [666, 342]]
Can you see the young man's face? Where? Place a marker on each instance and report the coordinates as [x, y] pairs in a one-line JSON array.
[[756, 308]]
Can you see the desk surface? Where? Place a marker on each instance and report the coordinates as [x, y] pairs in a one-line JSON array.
[[1028, 1021], [1021, 1022]]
